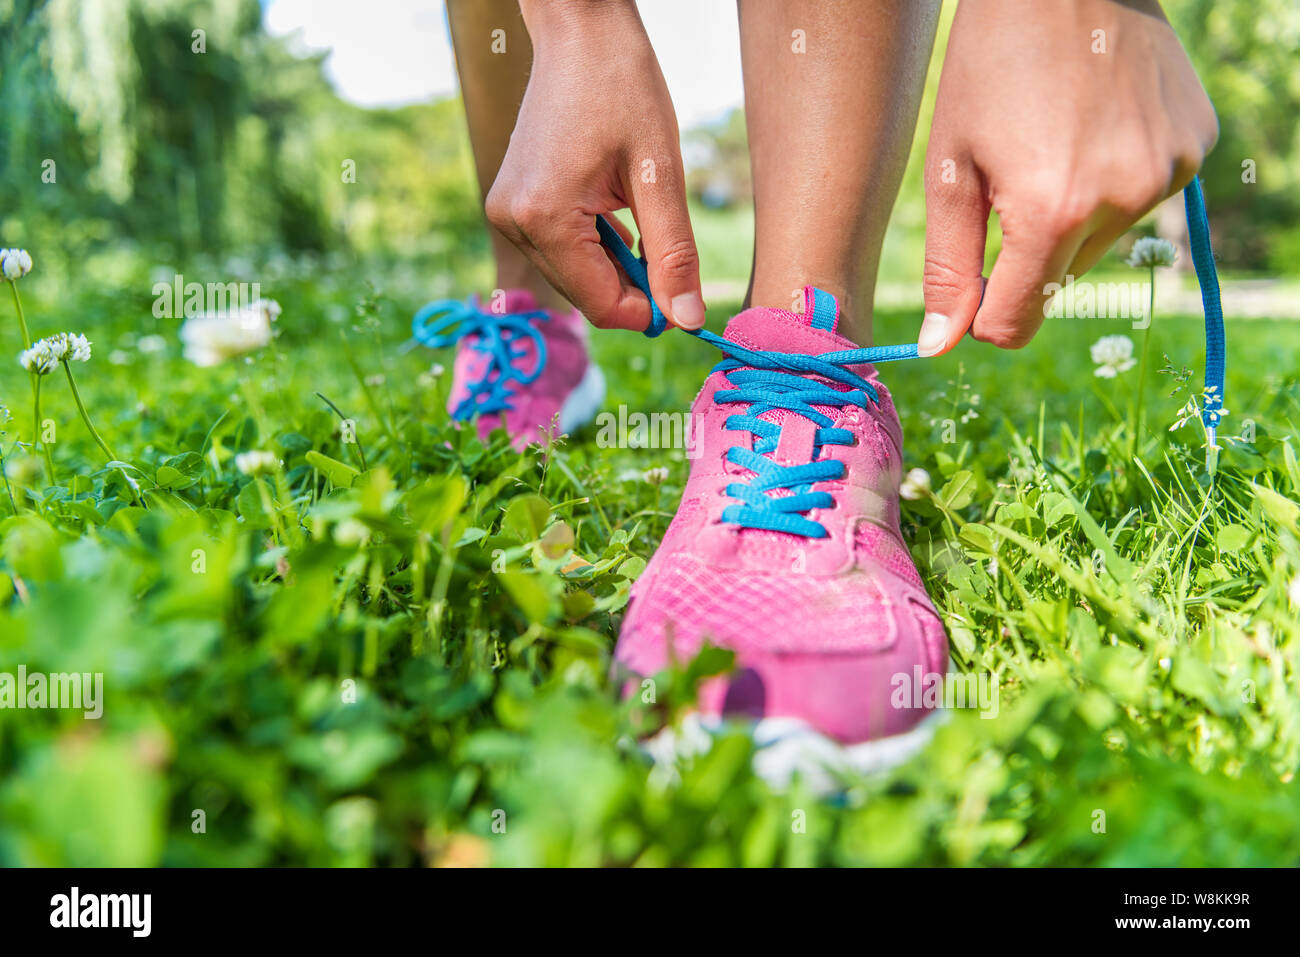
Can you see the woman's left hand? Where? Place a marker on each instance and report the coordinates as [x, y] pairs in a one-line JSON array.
[[1072, 120]]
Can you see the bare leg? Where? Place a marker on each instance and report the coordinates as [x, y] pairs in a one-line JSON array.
[[829, 132], [493, 70]]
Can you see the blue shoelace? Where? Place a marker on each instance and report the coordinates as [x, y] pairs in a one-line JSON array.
[[446, 322], [1207, 277], [769, 380]]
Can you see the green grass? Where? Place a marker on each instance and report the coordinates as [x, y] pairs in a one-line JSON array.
[[1135, 614]]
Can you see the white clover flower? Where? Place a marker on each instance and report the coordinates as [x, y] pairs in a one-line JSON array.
[[38, 359], [213, 338], [655, 476], [15, 263], [151, 343], [1293, 592], [1113, 355], [74, 347], [1151, 251], [915, 484], [257, 462], [45, 355], [270, 307]]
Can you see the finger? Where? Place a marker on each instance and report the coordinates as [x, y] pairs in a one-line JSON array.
[[1096, 245], [957, 215], [1031, 262], [658, 199], [571, 257], [567, 251]]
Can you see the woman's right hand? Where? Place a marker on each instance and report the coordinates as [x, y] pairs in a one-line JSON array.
[[597, 133]]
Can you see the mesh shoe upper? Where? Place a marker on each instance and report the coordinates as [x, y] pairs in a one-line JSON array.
[[821, 626]]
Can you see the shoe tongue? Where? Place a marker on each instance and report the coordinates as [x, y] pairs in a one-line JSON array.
[[820, 310], [811, 331]]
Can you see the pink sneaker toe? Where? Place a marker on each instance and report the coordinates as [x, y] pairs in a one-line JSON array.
[[786, 548], [849, 697]]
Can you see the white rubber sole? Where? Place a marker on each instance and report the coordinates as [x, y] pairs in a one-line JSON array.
[[581, 405], [786, 747]]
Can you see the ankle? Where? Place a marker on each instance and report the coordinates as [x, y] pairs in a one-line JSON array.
[[515, 271], [532, 282]]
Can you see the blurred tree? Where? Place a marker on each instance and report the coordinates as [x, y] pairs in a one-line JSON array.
[[187, 94], [182, 126], [1245, 52], [717, 158], [43, 152], [245, 145]]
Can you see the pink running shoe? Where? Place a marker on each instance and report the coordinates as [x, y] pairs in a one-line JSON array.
[[786, 549], [522, 367]]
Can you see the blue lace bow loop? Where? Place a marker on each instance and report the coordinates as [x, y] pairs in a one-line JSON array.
[[501, 338], [778, 496], [768, 380]]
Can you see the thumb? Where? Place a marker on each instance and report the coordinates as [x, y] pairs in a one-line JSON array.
[[956, 228], [658, 201]]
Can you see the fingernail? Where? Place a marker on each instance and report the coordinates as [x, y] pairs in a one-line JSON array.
[[688, 310], [934, 334]]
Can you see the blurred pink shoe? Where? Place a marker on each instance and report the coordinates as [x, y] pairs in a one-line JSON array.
[[523, 367], [786, 549]]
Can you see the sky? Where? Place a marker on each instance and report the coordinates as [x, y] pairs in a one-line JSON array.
[[397, 52]]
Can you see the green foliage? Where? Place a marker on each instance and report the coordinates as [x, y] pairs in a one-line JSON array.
[[239, 145], [396, 650]]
